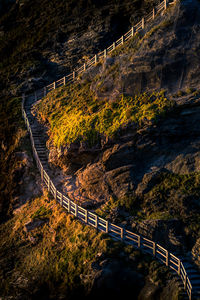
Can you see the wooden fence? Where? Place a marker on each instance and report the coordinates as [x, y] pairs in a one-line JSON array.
[[84, 215], [117, 232], [103, 54]]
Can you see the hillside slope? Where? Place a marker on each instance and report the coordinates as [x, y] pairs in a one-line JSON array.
[[39, 41], [144, 172], [45, 254]]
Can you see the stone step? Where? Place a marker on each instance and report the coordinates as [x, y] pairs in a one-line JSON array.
[[40, 148], [195, 282], [188, 266], [37, 135], [192, 272], [43, 158], [194, 276]]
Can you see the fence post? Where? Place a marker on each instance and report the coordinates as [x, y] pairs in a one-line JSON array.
[[132, 31], [74, 75], [139, 241], [154, 249], [165, 3], [76, 210], [105, 53], [84, 67], [122, 39], [86, 216], [49, 182], [122, 233], [96, 221], [167, 258], [190, 294], [153, 13], [107, 224], [114, 46], [54, 85], [142, 23], [69, 206], [179, 267], [61, 199], [64, 80]]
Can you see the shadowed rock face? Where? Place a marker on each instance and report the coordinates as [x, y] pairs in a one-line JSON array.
[[169, 59], [166, 59], [133, 163], [115, 169], [196, 251], [115, 280], [5, 5], [77, 30]]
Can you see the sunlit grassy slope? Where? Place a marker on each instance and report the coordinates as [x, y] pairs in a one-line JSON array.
[[51, 257], [58, 251], [73, 113]]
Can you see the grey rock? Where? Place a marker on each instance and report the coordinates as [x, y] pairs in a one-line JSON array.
[[169, 233], [196, 252], [31, 225]]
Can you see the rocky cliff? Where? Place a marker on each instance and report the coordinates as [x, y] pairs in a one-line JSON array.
[[150, 168], [145, 176]]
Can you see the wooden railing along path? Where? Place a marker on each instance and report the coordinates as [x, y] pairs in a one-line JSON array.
[[81, 213], [103, 225], [103, 54]]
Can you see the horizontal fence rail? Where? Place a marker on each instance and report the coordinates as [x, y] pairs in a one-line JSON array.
[[84, 215]]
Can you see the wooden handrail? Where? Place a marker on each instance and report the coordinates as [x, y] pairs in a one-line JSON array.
[[103, 54]]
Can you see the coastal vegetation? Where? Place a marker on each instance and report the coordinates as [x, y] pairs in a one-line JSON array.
[[73, 113]]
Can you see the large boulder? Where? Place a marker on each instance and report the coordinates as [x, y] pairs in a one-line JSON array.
[[115, 280], [168, 233]]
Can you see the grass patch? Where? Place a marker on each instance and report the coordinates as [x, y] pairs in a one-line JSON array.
[[41, 213], [173, 196], [53, 256], [62, 250], [74, 114], [187, 184]]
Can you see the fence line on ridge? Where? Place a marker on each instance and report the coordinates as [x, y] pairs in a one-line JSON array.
[[161, 7]]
